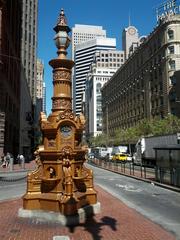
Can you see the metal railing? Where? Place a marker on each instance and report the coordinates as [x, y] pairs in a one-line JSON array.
[[158, 174]]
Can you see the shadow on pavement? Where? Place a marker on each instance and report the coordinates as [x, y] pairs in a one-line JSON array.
[[94, 227]]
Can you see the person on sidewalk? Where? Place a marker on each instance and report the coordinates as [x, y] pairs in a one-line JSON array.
[[7, 159], [21, 160], [3, 161]]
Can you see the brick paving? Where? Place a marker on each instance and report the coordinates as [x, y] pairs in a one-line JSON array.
[[115, 222]]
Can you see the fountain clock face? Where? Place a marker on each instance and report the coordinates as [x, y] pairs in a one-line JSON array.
[[66, 131]]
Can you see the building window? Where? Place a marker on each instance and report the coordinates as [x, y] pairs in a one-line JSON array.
[[171, 49], [172, 65], [170, 34], [161, 101], [160, 71], [98, 87], [172, 80], [172, 97]]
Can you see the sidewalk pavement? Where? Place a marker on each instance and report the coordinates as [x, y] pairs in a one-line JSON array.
[[115, 222], [17, 168]]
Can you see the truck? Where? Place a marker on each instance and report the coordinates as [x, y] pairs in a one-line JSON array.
[[119, 149], [144, 149], [101, 152]]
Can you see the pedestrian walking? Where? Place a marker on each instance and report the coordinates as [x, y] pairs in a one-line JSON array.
[[7, 159], [3, 161], [22, 160]]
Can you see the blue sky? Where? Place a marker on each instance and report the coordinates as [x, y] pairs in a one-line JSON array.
[[112, 15]]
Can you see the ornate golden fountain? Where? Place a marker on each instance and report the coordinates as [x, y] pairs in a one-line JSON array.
[[61, 183]]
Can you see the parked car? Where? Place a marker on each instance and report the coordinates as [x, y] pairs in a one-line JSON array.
[[120, 157], [91, 156], [129, 157]]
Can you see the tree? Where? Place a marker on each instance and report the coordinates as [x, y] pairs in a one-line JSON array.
[[153, 127]]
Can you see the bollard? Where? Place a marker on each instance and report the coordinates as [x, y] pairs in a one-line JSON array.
[[145, 172], [156, 173], [23, 163], [174, 177], [133, 169], [141, 170], [11, 164]]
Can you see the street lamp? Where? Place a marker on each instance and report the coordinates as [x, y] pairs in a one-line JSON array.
[[61, 38]]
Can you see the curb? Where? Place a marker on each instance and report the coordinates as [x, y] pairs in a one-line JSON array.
[[14, 175], [7, 179]]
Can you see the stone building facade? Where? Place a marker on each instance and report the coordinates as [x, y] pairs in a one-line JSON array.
[[142, 87], [10, 72]]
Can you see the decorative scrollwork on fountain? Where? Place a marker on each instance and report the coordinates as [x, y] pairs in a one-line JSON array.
[[61, 103], [61, 75], [67, 114], [66, 151]]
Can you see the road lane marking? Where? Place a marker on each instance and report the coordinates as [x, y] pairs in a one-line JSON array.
[[129, 188]]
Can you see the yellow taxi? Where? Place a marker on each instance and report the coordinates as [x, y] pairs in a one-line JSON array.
[[120, 157]]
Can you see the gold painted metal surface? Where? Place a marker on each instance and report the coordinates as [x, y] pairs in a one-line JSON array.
[[61, 182]]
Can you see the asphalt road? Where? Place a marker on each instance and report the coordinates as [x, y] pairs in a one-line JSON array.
[[158, 204]]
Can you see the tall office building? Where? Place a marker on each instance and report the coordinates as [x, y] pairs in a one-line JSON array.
[[44, 98], [40, 79], [130, 38], [10, 71], [28, 75], [18, 26], [40, 100], [29, 43], [82, 33], [84, 53], [40, 88], [105, 64]]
